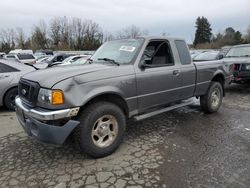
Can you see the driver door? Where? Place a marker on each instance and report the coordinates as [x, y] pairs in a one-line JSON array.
[[158, 82]]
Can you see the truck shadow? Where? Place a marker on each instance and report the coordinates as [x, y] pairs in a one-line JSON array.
[[238, 88]]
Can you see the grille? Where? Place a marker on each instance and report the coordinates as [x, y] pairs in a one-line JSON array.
[[28, 91]]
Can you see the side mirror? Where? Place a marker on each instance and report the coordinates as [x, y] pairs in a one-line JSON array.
[[220, 56], [147, 62]]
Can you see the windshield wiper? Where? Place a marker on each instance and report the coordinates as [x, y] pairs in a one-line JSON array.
[[109, 60], [31, 66]]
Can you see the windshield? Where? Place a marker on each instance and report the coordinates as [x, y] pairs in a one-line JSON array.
[[206, 56], [241, 51], [121, 51]]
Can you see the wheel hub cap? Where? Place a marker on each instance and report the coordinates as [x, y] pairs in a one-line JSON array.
[[104, 131], [215, 97]]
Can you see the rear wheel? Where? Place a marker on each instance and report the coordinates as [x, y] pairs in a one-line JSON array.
[[101, 129], [9, 98], [211, 101]]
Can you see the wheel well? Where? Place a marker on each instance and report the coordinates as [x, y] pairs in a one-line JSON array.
[[112, 98], [220, 78], [6, 93]]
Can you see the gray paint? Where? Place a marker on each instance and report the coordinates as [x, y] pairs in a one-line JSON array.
[[141, 88]]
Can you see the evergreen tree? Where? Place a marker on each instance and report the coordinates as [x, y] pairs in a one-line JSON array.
[[203, 32], [238, 38]]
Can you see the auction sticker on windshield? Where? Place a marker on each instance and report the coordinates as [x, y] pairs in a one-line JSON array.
[[127, 48]]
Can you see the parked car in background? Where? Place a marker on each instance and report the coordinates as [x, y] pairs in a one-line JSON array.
[[240, 56], [42, 59], [224, 50], [208, 56], [20, 51], [10, 73], [45, 52], [194, 53], [82, 60], [75, 60], [57, 58], [23, 58]]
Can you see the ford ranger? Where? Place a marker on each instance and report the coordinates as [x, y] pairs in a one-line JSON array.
[[132, 78]]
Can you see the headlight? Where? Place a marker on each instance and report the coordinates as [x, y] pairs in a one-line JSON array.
[[47, 96], [247, 67]]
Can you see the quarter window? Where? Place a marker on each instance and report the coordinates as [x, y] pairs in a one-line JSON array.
[[5, 68], [183, 52]]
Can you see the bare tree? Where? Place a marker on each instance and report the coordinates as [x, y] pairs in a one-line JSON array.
[[55, 28], [93, 35], [78, 29], [131, 32], [7, 39], [20, 38], [39, 38], [64, 34], [108, 36]]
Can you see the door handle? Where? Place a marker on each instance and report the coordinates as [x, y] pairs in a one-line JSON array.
[[4, 76], [176, 72]]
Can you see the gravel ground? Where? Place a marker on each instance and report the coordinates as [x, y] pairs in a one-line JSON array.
[[182, 148]]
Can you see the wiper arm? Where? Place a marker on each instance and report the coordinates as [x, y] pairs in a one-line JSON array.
[[109, 60], [31, 66]]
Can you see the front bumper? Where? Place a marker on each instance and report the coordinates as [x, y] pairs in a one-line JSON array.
[[33, 121]]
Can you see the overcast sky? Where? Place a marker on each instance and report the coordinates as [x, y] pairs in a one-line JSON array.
[[175, 18]]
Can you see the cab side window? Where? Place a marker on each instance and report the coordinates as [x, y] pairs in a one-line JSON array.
[[159, 53]]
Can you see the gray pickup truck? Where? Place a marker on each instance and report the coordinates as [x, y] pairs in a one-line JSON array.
[[133, 78]]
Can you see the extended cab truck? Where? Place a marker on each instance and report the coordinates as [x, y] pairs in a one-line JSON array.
[[133, 78]]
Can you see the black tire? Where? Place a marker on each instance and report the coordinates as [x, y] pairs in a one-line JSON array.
[[9, 98], [208, 103], [88, 118]]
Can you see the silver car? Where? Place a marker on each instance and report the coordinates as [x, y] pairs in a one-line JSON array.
[[10, 73], [23, 58]]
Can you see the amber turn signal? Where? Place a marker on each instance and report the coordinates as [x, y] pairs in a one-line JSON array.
[[57, 97]]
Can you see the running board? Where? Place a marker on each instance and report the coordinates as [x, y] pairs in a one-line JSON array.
[[162, 110]]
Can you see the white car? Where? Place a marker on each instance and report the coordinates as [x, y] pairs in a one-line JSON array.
[[71, 59], [20, 51], [23, 58], [10, 73]]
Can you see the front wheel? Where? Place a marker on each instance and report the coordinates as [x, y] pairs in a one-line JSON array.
[[101, 129], [211, 101], [9, 98]]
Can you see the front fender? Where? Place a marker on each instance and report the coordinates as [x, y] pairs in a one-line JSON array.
[[79, 94]]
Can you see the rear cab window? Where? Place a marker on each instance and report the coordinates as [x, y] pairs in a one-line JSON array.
[[183, 52]]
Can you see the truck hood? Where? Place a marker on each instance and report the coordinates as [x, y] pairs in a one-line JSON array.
[[50, 76]]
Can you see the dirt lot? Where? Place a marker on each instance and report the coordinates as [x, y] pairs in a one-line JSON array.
[[182, 148]]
